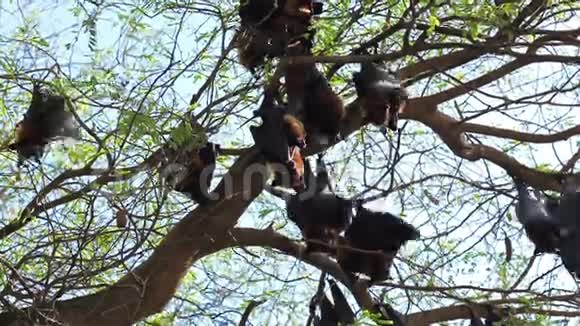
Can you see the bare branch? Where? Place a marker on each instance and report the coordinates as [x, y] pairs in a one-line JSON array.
[[521, 136], [253, 305]]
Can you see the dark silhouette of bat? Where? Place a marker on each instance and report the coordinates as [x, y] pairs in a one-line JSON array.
[[195, 172], [343, 309], [45, 120], [278, 132], [337, 313], [328, 316], [568, 215], [322, 182], [321, 216], [380, 94], [310, 96], [280, 138], [474, 319], [493, 316], [380, 232], [389, 313], [263, 13], [268, 26], [541, 226]]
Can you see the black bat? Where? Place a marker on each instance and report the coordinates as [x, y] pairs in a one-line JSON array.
[[380, 232], [199, 168], [541, 226], [280, 138], [321, 217], [568, 214], [380, 93], [267, 26], [343, 309], [311, 97], [45, 120]]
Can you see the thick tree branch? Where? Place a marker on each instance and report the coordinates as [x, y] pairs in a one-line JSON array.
[[521, 136], [463, 312], [483, 80], [448, 129], [148, 288], [426, 68]]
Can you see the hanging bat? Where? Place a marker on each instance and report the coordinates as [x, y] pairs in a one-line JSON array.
[[46, 120], [541, 226], [280, 139], [380, 94], [379, 232]]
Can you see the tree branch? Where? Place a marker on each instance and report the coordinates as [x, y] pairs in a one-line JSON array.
[[448, 129], [428, 67], [483, 80], [253, 304], [521, 136], [463, 312]]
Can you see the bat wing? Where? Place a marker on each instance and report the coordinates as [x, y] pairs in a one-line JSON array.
[[343, 310], [568, 213]]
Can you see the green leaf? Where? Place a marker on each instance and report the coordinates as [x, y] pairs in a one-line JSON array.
[[139, 125], [433, 22], [473, 29], [182, 134]]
